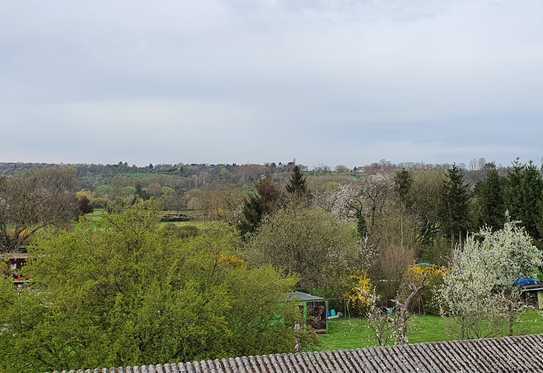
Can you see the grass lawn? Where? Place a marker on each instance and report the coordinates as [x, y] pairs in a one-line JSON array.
[[355, 333], [98, 214], [196, 223]]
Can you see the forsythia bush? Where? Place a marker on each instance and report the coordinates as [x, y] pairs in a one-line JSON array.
[[360, 297], [433, 276]]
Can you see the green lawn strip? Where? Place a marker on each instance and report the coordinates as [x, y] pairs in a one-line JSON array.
[[196, 223], [355, 333], [97, 215]]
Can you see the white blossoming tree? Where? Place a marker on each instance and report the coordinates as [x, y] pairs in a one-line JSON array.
[[478, 290]]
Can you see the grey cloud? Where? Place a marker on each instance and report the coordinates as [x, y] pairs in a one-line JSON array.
[[324, 81]]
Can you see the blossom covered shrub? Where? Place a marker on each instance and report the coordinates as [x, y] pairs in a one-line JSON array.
[[478, 291]]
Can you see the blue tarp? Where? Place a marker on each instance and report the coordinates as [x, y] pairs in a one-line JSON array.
[[526, 281]]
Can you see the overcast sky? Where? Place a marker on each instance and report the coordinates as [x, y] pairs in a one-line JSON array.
[[323, 81]]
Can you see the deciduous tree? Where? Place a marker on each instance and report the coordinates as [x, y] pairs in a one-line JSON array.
[[309, 243], [32, 201], [128, 294]]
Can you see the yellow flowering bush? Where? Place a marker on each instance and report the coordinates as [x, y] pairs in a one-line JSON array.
[[361, 296], [232, 260], [432, 276], [429, 273]]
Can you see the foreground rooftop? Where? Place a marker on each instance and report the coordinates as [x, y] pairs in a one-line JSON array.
[[510, 354]]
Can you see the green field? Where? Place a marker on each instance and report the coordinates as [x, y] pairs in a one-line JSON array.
[[98, 214], [196, 223], [95, 216], [355, 333]]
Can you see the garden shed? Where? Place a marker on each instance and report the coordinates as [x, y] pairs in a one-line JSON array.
[[15, 262], [313, 308], [533, 295]]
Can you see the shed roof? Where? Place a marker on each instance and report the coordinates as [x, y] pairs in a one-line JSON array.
[[303, 297], [532, 288], [511, 354], [14, 255]]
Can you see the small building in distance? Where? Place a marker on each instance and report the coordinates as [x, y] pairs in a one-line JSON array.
[[533, 295], [15, 262], [313, 308]]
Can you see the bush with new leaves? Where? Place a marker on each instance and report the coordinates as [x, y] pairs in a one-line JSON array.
[[310, 243], [124, 293]]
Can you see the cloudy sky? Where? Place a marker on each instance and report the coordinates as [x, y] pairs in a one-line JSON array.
[[323, 81]]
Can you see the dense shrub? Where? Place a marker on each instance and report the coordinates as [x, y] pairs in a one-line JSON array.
[[125, 294], [181, 232], [309, 243], [361, 296]]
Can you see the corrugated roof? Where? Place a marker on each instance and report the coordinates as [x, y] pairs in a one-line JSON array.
[[511, 354]]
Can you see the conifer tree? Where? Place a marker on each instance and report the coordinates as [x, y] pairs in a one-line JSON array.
[[532, 198], [251, 214], [297, 183], [454, 209], [525, 197], [492, 199], [257, 205], [514, 190], [403, 182]]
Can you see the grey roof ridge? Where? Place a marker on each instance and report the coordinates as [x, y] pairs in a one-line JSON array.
[[199, 365]]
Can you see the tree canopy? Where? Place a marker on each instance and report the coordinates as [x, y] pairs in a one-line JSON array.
[[306, 242], [124, 293], [34, 200]]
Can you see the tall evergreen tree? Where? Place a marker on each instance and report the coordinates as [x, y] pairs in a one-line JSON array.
[[297, 183], [492, 199], [532, 198], [525, 197], [514, 190], [454, 209], [257, 205], [403, 183]]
